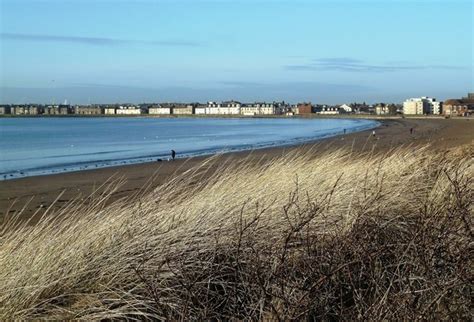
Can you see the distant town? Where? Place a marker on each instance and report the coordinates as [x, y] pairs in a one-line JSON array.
[[413, 106]]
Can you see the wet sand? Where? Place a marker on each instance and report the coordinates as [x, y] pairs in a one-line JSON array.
[[38, 193]]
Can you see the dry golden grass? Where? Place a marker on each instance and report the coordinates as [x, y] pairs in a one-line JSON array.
[[337, 235]]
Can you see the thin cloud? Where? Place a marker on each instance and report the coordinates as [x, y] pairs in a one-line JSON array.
[[345, 64], [96, 41]]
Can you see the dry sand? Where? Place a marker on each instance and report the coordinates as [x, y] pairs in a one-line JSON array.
[[40, 192]]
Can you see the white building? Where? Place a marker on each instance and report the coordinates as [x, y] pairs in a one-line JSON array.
[[346, 108], [183, 110], [230, 108], [109, 110], [436, 108], [128, 110], [200, 110], [421, 106], [87, 110], [213, 108], [328, 110], [24, 110], [258, 109], [159, 110], [224, 108]]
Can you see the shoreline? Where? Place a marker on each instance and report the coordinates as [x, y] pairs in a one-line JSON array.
[[164, 156], [237, 116], [40, 192]]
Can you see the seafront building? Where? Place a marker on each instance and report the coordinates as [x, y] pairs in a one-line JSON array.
[[159, 110], [224, 108], [459, 107], [346, 108], [183, 109], [24, 110], [454, 107], [436, 108], [212, 108], [231, 108], [87, 110], [128, 110], [57, 110], [326, 110], [4, 109], [258, 109], [304, 108], [200, 109], [109, 110], [415, 106], [421, 106]]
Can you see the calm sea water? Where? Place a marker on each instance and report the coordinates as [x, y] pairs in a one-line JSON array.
[[36, 146]]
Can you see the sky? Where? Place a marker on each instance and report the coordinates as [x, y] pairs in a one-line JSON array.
[[328, 51]]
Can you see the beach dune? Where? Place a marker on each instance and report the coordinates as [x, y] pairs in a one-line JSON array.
[[371, 227], [36, 194]]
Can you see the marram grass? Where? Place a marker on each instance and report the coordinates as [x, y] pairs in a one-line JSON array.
[[333, 235]]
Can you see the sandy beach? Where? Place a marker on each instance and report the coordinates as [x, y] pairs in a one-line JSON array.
[[35, 194]]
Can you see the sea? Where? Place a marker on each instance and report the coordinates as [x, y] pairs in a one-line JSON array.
[[40, 146]]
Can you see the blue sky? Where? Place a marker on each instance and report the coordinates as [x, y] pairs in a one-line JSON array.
[[198, 50]]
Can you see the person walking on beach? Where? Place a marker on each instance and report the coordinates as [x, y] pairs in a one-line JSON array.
[[173, 154], [373, 133], [345, 131], [411, 130]]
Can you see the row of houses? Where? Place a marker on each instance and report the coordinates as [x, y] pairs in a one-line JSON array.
[[33, 109], [237, 108], [211, 108], [430, 106], [223, 108], [412, 106]]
